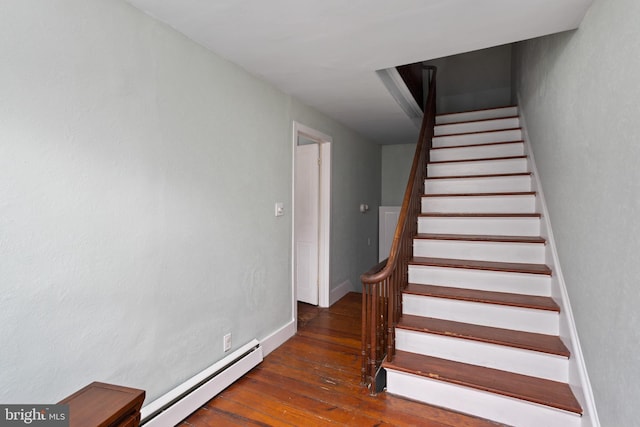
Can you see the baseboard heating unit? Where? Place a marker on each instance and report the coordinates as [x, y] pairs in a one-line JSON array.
[[179, 403]]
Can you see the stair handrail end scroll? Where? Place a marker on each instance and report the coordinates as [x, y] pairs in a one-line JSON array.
[[383, 284]]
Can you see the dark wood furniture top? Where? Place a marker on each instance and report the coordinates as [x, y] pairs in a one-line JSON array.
[[105, 405]]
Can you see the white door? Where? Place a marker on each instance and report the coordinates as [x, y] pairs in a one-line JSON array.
[[306, 227]]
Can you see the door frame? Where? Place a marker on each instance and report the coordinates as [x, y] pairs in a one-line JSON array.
[[324, 217]]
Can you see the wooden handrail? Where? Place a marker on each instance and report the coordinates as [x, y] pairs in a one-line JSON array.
[[383, 284]]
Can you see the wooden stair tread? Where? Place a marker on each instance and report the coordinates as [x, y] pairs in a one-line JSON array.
[[511, 193], [477, 132], [478, 160], [480, 215], [549, 344], [474, 121], [492, 175], [484, 144], [476, 110], [481, 238], [537, 390], [487, 297], [511, 267]]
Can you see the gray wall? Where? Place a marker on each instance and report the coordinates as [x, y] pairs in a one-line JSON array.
[[579, 94], [138, 175], [396, 167], [473, 80]]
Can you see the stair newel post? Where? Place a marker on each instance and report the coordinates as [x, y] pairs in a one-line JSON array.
[[381, 330], [392, 284], [372, 334], [364, 339]]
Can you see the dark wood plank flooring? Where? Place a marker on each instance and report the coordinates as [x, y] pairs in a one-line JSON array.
[[314, 380]]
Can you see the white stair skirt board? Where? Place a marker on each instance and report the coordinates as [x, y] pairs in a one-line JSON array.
[[485, 280], [525, 203], [467, 116], [478, 167], [520, 361], [480, 313], [500, 226], [578, 371], [479, 250], [491, 184], [177, 404], [477, 152], [477, 126], [507, 135], [483, 404]]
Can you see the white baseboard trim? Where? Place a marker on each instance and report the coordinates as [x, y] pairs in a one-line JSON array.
[[179, 403], [277, 338], [339, 291], [581, 387]]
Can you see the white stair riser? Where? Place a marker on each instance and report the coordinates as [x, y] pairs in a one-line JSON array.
[[497, 281], [480, 251], [482, 404], [478, 185], [477, 115], [477, 126], [480, 204], [481, 167], [477, 138], [520, 361], [512, 226], [477, 152], [495, 315]]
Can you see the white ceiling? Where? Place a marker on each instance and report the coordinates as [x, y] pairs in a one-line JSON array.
[[326, 52]]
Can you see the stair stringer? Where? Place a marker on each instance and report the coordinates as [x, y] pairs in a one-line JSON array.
[[578, 376]]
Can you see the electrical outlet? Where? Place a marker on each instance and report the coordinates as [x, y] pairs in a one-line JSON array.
[[227, 342]]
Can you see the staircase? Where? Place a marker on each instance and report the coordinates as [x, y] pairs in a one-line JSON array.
[[479, 330]]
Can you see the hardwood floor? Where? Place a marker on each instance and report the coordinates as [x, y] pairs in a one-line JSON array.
[[314, 380]]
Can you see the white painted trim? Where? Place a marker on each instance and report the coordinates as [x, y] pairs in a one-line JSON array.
[[324, 299], [177, 404], [341, 290], [254, 352], [578, 376], [325, 142], [277, 338], [400, 92]]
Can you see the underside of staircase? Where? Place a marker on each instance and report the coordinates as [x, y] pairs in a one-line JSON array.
[[479, 331]]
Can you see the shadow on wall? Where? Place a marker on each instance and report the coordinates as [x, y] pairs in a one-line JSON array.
[[474, 80]]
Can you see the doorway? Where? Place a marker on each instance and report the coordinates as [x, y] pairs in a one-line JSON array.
[[311, 215]]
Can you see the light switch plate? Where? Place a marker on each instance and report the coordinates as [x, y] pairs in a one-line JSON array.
[[279, 209]]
